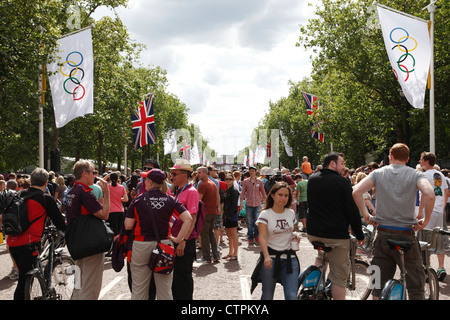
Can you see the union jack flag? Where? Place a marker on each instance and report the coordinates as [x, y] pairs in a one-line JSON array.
[[143, 124], [312, 109]]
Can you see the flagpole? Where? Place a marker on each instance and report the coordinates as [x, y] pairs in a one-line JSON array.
[[431, 9], [42, 86], [76, 31], [400, 12]]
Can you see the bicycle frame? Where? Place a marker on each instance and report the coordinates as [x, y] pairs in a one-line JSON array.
[[47, 254]]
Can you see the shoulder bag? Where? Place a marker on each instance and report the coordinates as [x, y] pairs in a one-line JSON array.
[[162, 257], [88, 235]]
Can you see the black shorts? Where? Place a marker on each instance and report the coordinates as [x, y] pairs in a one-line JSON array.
[[302, 209], [230, 223]]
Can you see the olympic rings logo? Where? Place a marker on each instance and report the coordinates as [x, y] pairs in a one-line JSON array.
[[401, 45], [78, 91], [157, 205]]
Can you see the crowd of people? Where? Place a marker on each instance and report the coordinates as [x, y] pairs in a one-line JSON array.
[[274, 205]]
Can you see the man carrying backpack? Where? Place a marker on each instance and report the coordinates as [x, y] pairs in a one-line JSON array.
[[25, 247]]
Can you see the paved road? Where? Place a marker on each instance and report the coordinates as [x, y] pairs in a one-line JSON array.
[[227, 280]]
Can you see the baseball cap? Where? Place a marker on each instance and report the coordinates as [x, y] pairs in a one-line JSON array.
[[155, 175]]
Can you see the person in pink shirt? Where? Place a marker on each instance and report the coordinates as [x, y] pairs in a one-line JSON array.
[[253, 193], [117, 196], [187, 194]]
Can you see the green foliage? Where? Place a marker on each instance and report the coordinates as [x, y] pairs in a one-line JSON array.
[[28, 38], [364, 111]]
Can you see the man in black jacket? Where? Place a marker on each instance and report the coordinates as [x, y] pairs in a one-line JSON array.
[[331, 211]]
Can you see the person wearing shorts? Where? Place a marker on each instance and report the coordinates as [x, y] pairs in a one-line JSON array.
[[439, 184], [230, 217], [332, 211]]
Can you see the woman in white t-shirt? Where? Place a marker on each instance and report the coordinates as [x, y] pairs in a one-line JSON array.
[[276, 225]]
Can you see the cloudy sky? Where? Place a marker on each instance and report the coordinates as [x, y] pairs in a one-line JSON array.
[[224, 59]]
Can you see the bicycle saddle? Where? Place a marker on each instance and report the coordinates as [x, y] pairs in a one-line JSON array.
[[320, 246], [403, 244]]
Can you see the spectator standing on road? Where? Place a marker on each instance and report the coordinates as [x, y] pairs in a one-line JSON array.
[[149, 165], [157, 203], [276, 226], [117, 195], [208, 192], [70, 183], [187, 194], [230, 217], [306, 168], [25, 247], [397, 186], [11, 189], [302, 199], [80, 200], [331, 212], [253, 193], [59, 191], [439, 184]]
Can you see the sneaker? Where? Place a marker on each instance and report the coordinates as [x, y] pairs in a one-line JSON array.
[[14, 274], [441, 273], [203, 260]]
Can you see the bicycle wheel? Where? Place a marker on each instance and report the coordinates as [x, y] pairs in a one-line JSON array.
[[63, 277], [431, 285], [34, 287], [362, 282], [393, 290]]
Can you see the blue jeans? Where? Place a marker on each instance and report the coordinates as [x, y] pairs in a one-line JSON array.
[[289, 281], [251, 215]]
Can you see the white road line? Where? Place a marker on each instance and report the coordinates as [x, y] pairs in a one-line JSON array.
[[245, 288], [244, 280], [109, 286]]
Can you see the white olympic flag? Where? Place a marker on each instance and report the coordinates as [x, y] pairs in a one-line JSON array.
[[72, 78], [408, 46]]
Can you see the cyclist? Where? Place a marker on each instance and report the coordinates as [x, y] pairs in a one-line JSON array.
[[331, 212], [437, 181], [26, 246], [396, 187]]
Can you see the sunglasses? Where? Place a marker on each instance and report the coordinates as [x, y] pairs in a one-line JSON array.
[[229, 179], [174, 174], [148, 168]]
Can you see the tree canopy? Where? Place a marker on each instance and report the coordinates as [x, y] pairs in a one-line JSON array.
[[364, 111]]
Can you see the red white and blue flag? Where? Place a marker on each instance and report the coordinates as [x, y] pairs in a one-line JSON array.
[[312, 109], [143, 124]]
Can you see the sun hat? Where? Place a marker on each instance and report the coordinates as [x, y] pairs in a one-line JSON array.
[[182, 164]]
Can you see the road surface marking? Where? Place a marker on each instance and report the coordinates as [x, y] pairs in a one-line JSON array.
[[109, 286]]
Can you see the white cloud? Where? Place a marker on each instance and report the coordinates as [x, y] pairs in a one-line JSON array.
[[224, 59]]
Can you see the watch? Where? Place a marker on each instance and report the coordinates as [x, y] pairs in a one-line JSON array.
[[183, 239]]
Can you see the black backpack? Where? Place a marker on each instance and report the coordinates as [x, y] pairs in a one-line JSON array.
[[15, 215]]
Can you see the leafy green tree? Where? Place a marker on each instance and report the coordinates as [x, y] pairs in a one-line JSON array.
[[365, 108]]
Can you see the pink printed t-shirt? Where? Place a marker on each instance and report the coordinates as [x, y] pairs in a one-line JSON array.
[[189, 198]]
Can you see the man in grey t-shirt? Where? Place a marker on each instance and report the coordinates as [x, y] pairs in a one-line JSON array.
[[396, 187]]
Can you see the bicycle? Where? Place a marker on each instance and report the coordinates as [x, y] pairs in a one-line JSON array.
[[52, 275], [395, 289], [313, 284], [369, 238]]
